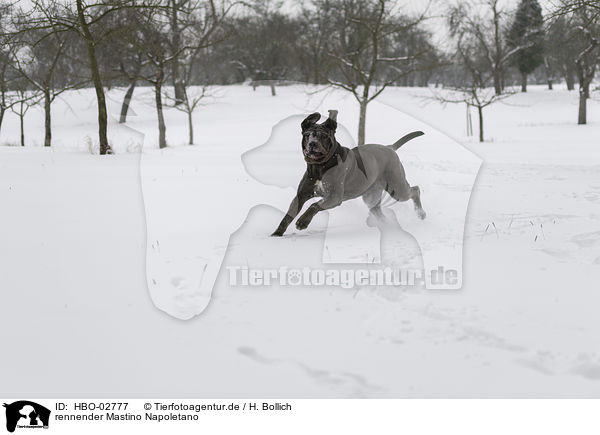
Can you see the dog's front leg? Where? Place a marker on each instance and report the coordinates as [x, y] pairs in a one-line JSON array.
[[305, 192], [331, 201]]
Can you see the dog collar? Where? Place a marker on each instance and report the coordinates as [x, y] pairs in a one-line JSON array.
[[316, 170]]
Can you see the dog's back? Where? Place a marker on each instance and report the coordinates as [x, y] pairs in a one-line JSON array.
[[381, 153], [374, 164]]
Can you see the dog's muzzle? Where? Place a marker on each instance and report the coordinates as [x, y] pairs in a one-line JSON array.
[[314, 153]]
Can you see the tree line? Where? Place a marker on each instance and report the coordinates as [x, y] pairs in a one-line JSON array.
[[180, 47]]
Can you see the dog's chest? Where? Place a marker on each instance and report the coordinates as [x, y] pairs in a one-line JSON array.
[[319, 187]]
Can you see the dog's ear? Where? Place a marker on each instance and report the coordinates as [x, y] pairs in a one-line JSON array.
[[331, 122], [310, 121]]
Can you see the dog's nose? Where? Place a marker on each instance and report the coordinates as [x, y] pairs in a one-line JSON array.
[[313, 144]]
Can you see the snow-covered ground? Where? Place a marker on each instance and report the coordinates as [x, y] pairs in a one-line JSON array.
[[77, 318]]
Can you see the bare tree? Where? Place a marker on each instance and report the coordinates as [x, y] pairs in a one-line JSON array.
[[177, 27], [39, 59], [193, 24], [199, 23], [150, 37], [587, 60], [473, 85], [193, 98], [6, 101], [24, 99], [585, 18], [315, 65], [200, 26], [561, 49], [88, 20], [565, 7], [262, 46], [120, 60], [484, 21], [360, 46], [132, 73]]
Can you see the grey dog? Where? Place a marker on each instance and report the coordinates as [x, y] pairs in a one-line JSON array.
[[337, 174]]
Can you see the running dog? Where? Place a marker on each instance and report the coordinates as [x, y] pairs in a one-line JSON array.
[[337, 174]]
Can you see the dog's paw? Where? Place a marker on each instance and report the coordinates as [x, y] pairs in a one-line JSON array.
[[421, 213], [302, 224], [373, 221], [278, 232]]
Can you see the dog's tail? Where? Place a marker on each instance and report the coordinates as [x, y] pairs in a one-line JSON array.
[[405, 139]]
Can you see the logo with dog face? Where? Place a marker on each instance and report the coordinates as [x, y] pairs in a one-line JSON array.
[[377, 176], [196, 200], [25, 414]]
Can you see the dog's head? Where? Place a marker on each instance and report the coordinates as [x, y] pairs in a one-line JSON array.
[[318, 140]]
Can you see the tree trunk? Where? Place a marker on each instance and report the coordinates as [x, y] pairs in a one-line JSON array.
[[586, 87], [523, 82], [362, 122], [570, 79], [96, 78], [2, 111], [190, 127], [498, 73], [179, 92], [273, 92], [497, 81], [582, 118], [480, 111], [2, 93], [162, 129], [549, 74], [178, 85], [126, 101], [469, 121], [47, 118], [22, 123]]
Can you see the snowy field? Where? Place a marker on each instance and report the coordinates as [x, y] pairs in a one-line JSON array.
[[91, 246]]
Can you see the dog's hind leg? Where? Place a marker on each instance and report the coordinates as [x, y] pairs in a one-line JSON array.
[[415, 194], [401, 191], [372, 198]]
